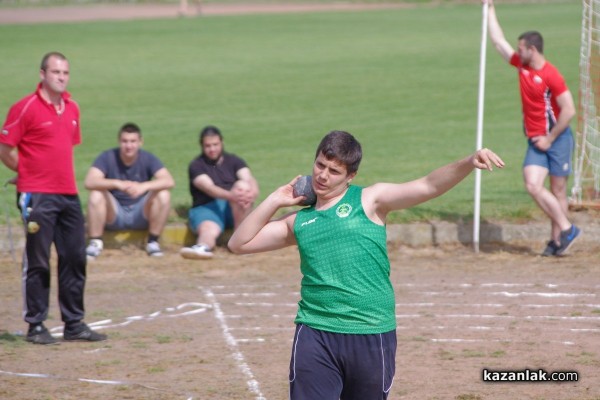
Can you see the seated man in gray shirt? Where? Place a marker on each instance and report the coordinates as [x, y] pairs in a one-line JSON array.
[[129, 189]]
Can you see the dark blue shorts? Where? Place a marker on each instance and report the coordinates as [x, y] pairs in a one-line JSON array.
[[558, 159], [338, 366]]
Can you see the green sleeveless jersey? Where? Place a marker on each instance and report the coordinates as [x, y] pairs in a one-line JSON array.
[[346, 284]]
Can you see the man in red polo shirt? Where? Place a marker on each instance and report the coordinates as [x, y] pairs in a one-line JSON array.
[[37, 142], [548, 109]]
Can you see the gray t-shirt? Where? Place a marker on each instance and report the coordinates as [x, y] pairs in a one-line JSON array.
[[142, 170]]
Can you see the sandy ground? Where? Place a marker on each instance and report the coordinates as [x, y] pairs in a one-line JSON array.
[[222, 329]]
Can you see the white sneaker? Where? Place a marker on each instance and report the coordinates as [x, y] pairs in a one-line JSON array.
[[196, 252], [94, 248], [153, 249]]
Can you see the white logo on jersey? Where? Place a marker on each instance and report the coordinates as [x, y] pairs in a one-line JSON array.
[[537, 79], [343, 210], [310, 221], [5, 132]]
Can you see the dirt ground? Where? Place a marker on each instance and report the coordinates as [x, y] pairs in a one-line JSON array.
[[222, 329]]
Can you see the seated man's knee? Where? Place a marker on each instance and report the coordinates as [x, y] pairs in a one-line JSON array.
[[164, 197], [241, 185], [96, 199]]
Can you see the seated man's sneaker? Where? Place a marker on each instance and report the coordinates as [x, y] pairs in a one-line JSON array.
[[197, 252], [38, 334], [153, 249], [94, 249], [82, 332]]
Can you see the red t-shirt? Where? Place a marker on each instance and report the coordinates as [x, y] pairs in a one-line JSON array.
[[44, 139], [539, 90]]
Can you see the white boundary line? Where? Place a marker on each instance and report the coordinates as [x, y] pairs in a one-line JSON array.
[[232, 343]]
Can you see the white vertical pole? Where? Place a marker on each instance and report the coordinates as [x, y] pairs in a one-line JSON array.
[[476, 211]]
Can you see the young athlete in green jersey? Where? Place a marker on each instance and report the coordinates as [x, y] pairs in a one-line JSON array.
[[345, 342]]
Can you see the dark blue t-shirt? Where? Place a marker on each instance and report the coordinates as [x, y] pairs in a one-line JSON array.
[[142, 170]]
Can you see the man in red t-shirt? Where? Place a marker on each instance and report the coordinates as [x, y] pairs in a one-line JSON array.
[[548, 109], [37, 142]]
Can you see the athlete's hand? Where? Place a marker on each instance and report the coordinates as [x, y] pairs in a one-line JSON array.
[[284, 195]]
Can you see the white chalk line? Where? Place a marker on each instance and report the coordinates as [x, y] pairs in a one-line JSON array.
[[493, 316], [431, 304], [490, 328], [96, 381], [419, 285], [506, 294], [237, 355], [169, 312], [457, 340]]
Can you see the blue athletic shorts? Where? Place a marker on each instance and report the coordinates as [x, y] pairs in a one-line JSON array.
[[557, 159], [131, 216], [217, 211], [337, 366]]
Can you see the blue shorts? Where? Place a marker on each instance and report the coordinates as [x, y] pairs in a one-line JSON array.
[[217, 211], [131, 216], [557, 159], [336, 366]]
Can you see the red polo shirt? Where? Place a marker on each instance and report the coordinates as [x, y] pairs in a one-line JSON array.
[[539, 90], [44, 139]]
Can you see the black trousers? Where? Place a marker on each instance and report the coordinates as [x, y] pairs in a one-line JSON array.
[[58, 219], [337, 366]]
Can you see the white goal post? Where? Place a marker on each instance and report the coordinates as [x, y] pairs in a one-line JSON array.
[[586, 169]]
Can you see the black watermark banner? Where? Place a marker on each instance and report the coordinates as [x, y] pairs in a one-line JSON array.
[[528, 375]]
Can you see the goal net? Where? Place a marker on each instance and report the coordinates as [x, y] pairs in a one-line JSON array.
[[586, 185]]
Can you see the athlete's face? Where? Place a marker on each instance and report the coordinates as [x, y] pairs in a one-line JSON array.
[[330, 177], [129, 146], [525, 52], [56, 76], [212, 147]]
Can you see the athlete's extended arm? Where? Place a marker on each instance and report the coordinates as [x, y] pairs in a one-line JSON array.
[[258, 232], [386, 197], [496, 33], [9, 156]]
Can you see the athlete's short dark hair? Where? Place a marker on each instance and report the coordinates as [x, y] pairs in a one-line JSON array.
[[342, 147], [210, 130], [130, 127], [44, 63], [535, 39]]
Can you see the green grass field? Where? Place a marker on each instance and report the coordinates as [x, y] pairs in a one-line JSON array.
[[404, 82]]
